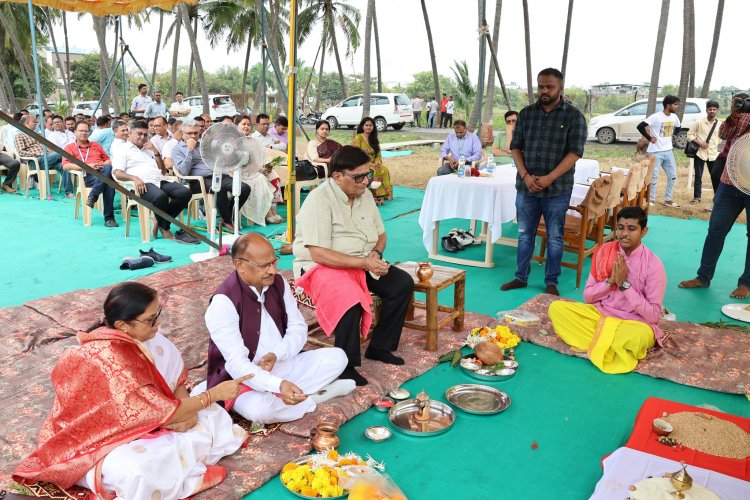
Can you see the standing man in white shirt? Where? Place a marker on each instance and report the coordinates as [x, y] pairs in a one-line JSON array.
[[156, 108], [659, 129], [255, 327], [416, 107], [140, 102], [138, 161], [179, 108]]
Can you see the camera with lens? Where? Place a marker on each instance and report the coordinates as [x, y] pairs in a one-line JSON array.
[[741, 105]]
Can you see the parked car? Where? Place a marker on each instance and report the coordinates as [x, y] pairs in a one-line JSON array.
[[621, 125], [33, 109], [87, 108], [386, 110], [219, 105]]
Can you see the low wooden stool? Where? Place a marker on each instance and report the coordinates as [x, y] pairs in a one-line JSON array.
[[442, 277]]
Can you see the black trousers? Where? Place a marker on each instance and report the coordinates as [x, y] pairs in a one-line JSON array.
[[716, 169], [698, 165], [170, 197], [395, 288], [12, 165], [223, 205]]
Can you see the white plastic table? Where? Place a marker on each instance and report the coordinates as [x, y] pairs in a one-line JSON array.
[[491, 200]]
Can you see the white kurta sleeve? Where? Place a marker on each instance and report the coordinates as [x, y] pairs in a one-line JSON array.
[[223, 325], [296, 329]]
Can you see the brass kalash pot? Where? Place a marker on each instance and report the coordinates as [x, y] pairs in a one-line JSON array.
[[681, 481], [324, 436]]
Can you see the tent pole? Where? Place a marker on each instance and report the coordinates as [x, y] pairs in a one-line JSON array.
[[40, 116], [122, 56], [291, 113], [263, 50]]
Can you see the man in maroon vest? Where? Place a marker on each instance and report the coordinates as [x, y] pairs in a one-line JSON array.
[[255, 327]]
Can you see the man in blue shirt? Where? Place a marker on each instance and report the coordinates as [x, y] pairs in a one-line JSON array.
[[103, 134], [187, 159], [460, 143]]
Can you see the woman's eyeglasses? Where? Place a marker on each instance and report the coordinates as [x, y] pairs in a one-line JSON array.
[[358, 178], [151, 321]]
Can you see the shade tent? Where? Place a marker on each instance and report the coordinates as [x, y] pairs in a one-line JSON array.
[[120, 7]]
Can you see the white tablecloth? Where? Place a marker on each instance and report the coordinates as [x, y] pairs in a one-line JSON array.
[[490, 199], [586, 169], [627, 466]]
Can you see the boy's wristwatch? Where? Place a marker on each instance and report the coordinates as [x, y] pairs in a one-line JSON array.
[[625, 285]]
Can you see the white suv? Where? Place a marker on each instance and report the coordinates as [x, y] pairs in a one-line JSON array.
[[87, 108], [219, 105], [621, 125], [385, 109]]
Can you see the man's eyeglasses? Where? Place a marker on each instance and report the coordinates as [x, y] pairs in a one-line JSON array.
[[358, 178], [265, 267], [151, 321], [512, 120]]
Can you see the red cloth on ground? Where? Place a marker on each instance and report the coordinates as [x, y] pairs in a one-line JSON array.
[[107, 393], [603, 260], [335, 291], [643, 438]]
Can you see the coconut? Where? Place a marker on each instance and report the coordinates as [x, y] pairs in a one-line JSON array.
[[489, 353]]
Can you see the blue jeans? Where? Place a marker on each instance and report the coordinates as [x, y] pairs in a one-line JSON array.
[[529, 210], [431, 120], [54, 161], [665, 160], [729, 203], [98, 187]]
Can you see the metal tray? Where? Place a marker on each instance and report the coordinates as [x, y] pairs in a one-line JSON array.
[[441, 414], [478, 399], [302, 461], [499, 376]]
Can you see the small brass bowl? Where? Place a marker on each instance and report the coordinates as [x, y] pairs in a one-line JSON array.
[[661, 427], [378, 433]]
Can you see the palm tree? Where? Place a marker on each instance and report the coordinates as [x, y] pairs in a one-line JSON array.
[[366, 81], [477, 108], [50, 17], [714, 48], [435, 77], [653, 89], [67, 45], [158, 40], [192, 36], [27, 75], [377, 46], [8, 89], [490, 100], [567, 38], [527, 38], [464, 88], [688, 48]]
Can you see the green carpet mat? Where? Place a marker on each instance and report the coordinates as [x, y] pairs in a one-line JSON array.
[[575, 413]]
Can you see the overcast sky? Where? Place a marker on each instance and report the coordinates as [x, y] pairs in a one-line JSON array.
[[611, 41]]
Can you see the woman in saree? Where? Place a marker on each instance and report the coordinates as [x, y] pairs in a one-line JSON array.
[[123, 424], [265, 190], [367, 140], [321, 148]]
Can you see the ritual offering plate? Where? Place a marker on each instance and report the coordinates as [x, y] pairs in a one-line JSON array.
[[477, 399], [474, 368], [326, 475], [421, 416], [740, 312]]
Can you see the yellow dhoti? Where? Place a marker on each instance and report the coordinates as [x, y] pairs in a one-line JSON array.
[[613, 345]]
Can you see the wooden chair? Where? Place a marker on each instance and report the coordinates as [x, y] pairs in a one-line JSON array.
[[644, 198], [578, 230], [39, 172], [82, 194], [612, 204], [630, 189]]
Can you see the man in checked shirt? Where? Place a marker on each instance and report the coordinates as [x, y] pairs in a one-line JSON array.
[[547, 141]]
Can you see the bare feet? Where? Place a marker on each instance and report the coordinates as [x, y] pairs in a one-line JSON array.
[[741, 292], [166, 234], [693, 283]]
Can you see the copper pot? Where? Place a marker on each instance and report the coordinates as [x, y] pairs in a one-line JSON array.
[[424, 272], [324, 436]]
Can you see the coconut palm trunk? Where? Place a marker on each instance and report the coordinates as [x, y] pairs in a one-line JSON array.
[[688, 46], [67, 46], [100, 29], [366, 80], [244, 73], [653, 89], [319, 89], [377, 46], [8, 89], [332, 24], [26, 72], [714, 47], [564, 66], [63, 76], [312, 73], [476, 109], [527, 39], [435, 76], [489, 103], [158, 46], [196, 56], [175, 52]]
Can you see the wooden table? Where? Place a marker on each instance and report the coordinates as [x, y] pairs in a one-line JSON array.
[[442, 278]]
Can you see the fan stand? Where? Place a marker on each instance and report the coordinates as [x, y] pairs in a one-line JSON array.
[[212, 252], [236, 191]]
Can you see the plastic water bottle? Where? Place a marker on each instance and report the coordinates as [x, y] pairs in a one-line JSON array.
[[461, 171], [490, 163]]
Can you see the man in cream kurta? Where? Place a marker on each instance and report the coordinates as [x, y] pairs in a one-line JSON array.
[[288, 383]]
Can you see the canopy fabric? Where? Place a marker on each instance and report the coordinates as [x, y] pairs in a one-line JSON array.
[[106, 7]]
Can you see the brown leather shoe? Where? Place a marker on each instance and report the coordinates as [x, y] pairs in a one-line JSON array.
[[552, 290], [286, 249], [8, 189], [512, 285]]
